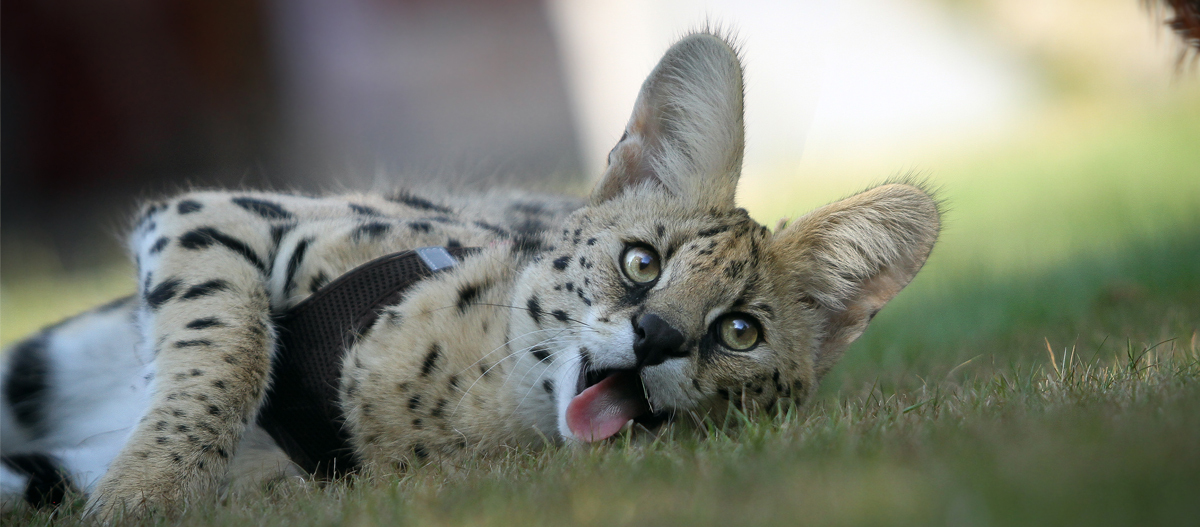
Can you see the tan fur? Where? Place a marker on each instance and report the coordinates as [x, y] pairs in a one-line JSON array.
[[486, 356]]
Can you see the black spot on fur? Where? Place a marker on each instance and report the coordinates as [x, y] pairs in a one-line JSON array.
[[278, 231], [204, 237], [540, 353], [548, 386], [27, 386], [420, 226], [416, 423], [371, 230], [414, 402], [660, 230], [468, 294], [453, 243], [417, 202], [713, 231], [195, 372], [535, 309], [188, 206], [528, 207], [204, 323], [420, 451], [149, 213], [363, 209], [529, 226], [591, 241], [438, 409], [159, 245], [529, 244], [561, 262], [266, 209], [453, 382], [294, 263], [560, 315], [318, 281], [192, 343], [431, 358], [205, 289], [497, 230], [734, 269], [47, 484], [220, 385], [163, 293], [214, 409]]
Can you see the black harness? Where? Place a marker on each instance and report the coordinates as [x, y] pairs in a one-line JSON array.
[[301, 409]]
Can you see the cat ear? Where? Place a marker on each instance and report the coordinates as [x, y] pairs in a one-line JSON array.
[[686, 134], [849, 258]]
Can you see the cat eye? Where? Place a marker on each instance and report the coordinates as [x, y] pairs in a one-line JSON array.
[[640, 264], [738, 332]]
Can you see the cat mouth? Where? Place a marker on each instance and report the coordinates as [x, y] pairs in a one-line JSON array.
[[606, 400]]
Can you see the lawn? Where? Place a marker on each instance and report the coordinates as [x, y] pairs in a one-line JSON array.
[[1044, 368]]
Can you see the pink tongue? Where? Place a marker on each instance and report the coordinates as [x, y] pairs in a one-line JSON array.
[[601, 410]]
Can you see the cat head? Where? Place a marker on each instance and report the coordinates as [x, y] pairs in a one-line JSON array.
[[662, 296]]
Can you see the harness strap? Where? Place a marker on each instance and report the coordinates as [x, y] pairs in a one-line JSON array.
[[301, 408]]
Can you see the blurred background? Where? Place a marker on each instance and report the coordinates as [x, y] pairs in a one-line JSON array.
[[1064, 135]]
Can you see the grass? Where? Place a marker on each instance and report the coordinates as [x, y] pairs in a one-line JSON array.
[[1042, 370], [1099, 440]]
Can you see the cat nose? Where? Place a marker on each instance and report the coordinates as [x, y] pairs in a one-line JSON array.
[[656, 341]]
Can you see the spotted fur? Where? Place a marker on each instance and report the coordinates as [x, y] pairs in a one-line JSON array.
[[151, 401]]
